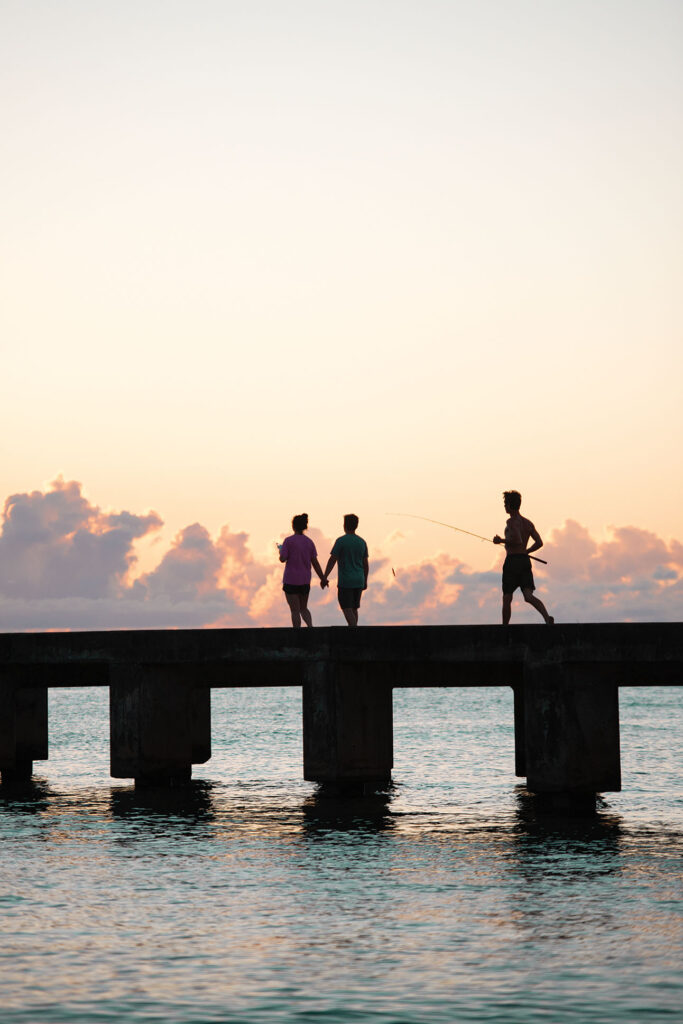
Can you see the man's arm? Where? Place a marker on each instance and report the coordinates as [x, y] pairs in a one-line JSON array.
[[513, 537], [538, 543], [366, 570], [331, 562]]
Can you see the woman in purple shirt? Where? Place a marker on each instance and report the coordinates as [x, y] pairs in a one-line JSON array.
[[299, 554]]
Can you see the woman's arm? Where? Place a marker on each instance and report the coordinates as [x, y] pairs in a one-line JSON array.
[[316, 565]]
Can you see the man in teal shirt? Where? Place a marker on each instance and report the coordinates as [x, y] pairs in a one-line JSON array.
[[351, 552]]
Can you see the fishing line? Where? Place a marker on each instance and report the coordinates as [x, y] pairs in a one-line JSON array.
[[448, 526]]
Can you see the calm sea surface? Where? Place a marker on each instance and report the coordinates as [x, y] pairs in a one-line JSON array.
[[251, 898]]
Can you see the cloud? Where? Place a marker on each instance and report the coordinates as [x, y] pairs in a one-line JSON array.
[[67, 564], [58, 545]]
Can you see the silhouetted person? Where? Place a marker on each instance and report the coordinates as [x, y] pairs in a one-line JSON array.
[[351, 552], [299, 554], [517, 565]]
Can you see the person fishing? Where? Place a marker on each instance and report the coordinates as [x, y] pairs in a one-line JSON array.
[[299, 554], [517, 565]]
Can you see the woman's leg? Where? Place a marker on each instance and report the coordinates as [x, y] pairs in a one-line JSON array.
[[294, 607], [303, 608]]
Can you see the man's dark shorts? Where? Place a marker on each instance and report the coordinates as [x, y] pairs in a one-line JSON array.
[[349, 597], [517, 573], [296, 588]]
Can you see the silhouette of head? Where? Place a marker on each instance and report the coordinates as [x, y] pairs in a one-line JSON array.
[[512, 499], [300, 522], [350, 522]]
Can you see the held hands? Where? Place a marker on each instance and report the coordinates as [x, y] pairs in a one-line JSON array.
[[324, 582]]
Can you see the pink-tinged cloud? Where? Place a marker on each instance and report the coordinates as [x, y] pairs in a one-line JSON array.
[[66, 564], [57, 544]]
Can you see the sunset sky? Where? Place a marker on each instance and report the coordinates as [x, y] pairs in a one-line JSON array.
[[296, 255]]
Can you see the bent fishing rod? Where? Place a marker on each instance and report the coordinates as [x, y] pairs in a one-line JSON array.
[[458, 528]]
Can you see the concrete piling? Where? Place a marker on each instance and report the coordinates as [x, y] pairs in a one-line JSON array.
[[571, 732], [159, 725], [23, 728], [347, 725], [520, 737]]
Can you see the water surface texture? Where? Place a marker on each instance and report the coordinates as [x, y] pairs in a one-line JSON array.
[[250, 897]]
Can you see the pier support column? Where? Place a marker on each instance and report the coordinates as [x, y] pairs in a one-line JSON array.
[[571, 733], [160, 725], [23, 729], [348, 728], [520, 739]]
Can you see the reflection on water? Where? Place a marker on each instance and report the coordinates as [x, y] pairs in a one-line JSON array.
[[191, 804], [325, 814], [252, 896]]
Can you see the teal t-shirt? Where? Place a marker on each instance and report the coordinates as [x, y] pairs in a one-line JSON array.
[[350, 551]]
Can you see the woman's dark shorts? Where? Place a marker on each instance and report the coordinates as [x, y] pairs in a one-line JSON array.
[[296, 588], [517, 573], [349, 597]]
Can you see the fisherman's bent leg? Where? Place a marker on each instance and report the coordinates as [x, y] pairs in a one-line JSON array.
[[536, 603], [507, 608]]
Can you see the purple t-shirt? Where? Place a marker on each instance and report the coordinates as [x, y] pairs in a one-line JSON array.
[[299, 552]]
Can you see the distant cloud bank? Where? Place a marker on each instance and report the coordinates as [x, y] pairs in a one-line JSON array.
[[66, 564]]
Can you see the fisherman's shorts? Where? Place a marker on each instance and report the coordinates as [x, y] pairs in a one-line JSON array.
[[517, 573]]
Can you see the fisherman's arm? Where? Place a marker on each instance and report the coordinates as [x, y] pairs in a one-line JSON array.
[[366, 570], [512, 539], [538, 543]]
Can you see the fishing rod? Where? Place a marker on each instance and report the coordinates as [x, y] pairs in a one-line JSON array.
[[458, 528]]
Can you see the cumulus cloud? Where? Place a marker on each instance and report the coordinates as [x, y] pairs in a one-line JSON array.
[[58, 545], [67, 564]]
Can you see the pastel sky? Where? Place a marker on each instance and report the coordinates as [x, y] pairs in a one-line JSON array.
[[375, 256]]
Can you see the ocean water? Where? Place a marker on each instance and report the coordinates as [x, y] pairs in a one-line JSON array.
[[251, 897]]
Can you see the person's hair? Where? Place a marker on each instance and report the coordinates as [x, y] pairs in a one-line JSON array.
[[513, 499], [350, 522], [300, 522]]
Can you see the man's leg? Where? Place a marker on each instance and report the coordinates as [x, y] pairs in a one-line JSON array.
[[538, 605], [507, 608], [293, 602], [351, 616]]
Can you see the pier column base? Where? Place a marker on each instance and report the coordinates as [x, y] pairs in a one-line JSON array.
[[23, 729], [160, 725], [571, 733], [348, 728]]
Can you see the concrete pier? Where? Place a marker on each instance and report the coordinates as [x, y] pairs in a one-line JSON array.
[[565, 682]]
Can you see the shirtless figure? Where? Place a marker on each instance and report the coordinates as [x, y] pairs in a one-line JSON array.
[[517, 566]]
